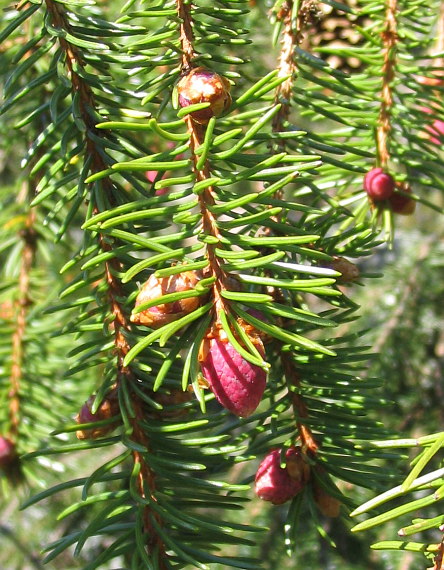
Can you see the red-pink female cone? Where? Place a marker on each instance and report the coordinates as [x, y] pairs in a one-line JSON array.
[[237, 384], [378, 184], [280, 484]]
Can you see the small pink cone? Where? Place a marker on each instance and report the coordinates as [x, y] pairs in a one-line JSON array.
[[279, 484], [237, 384], [378, 184]]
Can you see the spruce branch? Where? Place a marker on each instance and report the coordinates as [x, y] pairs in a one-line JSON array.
[[390, 40], [120, 326], [22, 304], [292, 35], [201, 170], [251, 202]]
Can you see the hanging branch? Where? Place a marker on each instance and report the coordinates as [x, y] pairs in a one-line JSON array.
[[390, 39], [22, 304], [287, 67], [120, 325], [197, 134]]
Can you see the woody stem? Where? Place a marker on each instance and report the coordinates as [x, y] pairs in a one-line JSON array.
[[390, 38], [197, 134], [120, 325]]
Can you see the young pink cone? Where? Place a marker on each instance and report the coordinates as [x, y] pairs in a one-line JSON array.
[[237, 384], [378, 184], [202, 85], [279, 484], [155, 288], [436, 129]]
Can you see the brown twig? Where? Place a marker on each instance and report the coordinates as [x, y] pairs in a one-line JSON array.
[[286, 67], [120, 324], [197, 134], [22, 304], [308, 441], [291, 37], [390, 39]]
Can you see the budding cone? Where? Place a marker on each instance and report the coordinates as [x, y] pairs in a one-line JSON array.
[[328, 505], [378, 184], [237, 384], [403, 205], [348, 270], [202, 85], [279, 484], [162, 314]]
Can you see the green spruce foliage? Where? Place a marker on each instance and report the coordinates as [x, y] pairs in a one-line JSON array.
[[112, 179]]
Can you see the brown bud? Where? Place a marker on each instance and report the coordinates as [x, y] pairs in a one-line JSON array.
[[348, 270], [297, 466], [155, 288], [172, 401], [202, 85], [328, 505], [402, 204], [108, 409]]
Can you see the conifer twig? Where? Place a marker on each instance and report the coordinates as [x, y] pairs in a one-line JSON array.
[[390, 39], [439, 558], [197, 134], [22, 303], [287, 66], [120, 324], [291, 37], [308, 442]]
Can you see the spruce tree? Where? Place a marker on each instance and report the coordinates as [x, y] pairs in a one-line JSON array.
[[198, 199]]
